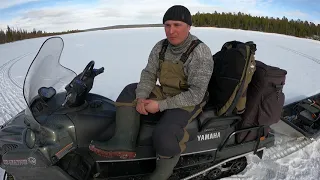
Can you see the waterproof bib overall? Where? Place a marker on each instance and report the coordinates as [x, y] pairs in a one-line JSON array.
[[170, 135], [171, 75]]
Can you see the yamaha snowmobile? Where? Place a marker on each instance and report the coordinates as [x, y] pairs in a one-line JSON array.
[[50, 139]]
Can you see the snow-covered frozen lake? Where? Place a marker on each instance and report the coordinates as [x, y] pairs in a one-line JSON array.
[[124, 53]]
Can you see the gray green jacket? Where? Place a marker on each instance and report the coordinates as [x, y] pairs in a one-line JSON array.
[[198, 68]]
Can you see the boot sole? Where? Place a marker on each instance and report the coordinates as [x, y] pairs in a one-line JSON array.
[[112, 154]]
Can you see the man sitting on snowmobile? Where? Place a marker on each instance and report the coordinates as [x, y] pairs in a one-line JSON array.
[[183, 64]]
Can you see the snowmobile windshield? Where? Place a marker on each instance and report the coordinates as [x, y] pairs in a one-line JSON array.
[[46, 71]]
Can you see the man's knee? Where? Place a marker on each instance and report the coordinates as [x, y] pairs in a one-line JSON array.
[[132, 86], [128, 94], [166, 139]]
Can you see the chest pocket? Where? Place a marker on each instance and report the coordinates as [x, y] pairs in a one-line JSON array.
[[172, 77]]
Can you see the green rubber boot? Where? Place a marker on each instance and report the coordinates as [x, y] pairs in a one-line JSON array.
[[164, 168], [123, 143]]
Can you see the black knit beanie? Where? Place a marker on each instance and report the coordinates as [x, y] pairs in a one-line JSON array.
[[178, 13]]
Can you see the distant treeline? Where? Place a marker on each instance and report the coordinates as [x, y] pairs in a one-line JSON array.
[[243, 21], [11, 35], [240, 20]]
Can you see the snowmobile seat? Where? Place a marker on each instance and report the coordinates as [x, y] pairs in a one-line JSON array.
[[208, 120], [209, 111]]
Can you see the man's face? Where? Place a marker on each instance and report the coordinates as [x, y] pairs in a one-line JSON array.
[[176, 31]]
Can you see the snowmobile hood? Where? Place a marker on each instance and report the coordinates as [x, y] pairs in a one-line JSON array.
[[45, 71]]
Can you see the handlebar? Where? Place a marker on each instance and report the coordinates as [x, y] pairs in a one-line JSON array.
[[81, 85], [98, 71], [89, 66]]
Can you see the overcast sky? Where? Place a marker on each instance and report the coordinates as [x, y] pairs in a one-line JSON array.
[[59, 15]]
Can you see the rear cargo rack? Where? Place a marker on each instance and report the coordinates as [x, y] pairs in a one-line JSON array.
[[258, 139]]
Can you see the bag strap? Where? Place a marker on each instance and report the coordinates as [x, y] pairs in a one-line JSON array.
[[247, 53], [253, 46], [186, 54]]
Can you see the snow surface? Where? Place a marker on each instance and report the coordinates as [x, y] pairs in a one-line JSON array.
[[124, 53]]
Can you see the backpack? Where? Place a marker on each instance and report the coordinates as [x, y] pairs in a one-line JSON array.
[[234, 66], [265, 100]]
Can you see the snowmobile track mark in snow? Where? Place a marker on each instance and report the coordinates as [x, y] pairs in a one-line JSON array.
[[9, 70], [279, 151], [301, 54], [16, 89], [11, 96]]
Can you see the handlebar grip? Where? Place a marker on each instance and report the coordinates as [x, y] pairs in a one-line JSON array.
[[98, 71]]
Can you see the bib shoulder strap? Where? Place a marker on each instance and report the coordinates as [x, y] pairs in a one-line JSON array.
[[163, 49], [186, 54]]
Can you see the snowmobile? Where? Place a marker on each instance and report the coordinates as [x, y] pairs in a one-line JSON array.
[[300, 119], [50, 139]]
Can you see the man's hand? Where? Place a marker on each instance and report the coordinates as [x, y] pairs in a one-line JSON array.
[[141, 103], [151, 106]]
